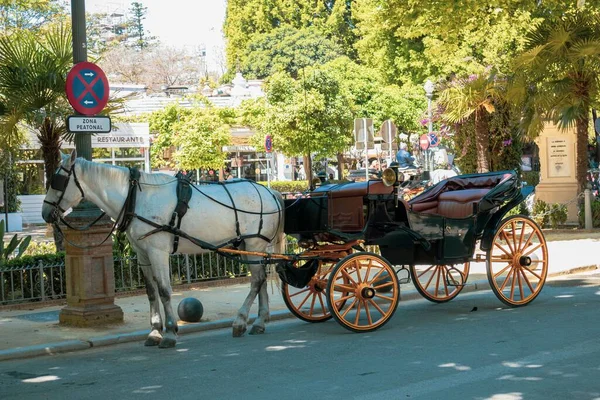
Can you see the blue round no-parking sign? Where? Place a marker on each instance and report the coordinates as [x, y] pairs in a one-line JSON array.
[[87, 88]]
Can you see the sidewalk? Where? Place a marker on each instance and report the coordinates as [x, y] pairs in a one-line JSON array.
[[29, 332]]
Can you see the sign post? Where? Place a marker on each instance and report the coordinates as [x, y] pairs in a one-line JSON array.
[[363, 137], [388, 133], [89, 269], [268, 149]]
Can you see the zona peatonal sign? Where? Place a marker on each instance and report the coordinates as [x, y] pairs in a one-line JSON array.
[[87, 91], [95, 124]]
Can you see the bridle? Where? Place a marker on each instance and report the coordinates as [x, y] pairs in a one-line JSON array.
[[60, 183]]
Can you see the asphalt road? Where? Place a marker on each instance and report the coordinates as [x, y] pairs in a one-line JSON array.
[[470, 348]]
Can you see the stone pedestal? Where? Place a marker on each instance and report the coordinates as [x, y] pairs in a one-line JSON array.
[[90, 274], [558, 180]]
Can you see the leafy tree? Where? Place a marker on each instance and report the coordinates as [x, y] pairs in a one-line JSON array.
[[135, 28], [559, 77], [473, 97], [162, 125], [200, 137], [192, 137], [247, 18], [309, 115], [411, 40], [29, 15], [287, 49], [33, 69]]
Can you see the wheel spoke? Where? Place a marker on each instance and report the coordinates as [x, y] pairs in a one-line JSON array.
[[502, 271], [526, 279], [520, 284], [376, 306], [521, 236], [380, 296], [506, 279], [507, 240], [306, 289], [357, 316], [347, 276], [366, 307], [339, 287], [349, 308], [425, 271], [514, 236], [503, 249], [532, 250]]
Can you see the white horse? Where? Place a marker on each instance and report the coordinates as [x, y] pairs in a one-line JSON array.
[[214, 211]]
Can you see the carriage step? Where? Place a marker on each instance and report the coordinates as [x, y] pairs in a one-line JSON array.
[[401, 278]]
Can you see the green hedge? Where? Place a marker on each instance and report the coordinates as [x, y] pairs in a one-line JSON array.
[[25, 261]]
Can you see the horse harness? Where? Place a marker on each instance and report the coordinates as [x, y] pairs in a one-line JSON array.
[[184, 194]]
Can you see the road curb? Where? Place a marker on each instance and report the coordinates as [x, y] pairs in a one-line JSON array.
[[44, 349]]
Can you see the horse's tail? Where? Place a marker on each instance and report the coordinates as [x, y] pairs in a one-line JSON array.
[[279, 243]]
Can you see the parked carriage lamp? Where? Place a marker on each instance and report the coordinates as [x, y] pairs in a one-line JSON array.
[[391, 175]]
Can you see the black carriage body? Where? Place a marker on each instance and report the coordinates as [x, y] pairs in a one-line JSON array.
[[440, 226]]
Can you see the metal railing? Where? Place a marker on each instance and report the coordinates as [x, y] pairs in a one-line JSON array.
[[44, 282]]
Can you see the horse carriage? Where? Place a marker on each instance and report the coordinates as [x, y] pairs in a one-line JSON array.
[[431, 239]]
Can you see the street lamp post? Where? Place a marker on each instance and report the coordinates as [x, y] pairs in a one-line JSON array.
[[429, 87]]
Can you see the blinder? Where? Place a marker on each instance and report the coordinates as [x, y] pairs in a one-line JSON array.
[[59, 182]]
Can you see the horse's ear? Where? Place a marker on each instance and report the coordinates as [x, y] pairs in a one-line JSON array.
[[73, 156]]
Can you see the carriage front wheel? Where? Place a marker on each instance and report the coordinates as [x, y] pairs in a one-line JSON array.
[[309, 303], [517, 262], [439, 283], [357, 292]]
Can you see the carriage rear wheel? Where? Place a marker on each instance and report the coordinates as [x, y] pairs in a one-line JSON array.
[[362, 279], [309, 303], [517, 262], [439, 283]]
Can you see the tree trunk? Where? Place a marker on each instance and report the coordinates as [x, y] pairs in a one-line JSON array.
[[582, 151], [482, 142], [308, 168], [50, 140], [596, 136], [340, 167]]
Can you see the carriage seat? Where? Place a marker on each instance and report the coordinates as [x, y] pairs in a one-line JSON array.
[[358, 189], [452, 204], [346, 203]]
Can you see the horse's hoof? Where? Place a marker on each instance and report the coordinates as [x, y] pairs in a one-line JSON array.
[[152, 340], [167, 343], [257, 330], [239, 331]]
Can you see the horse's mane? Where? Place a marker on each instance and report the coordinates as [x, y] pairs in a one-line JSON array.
[[116, 172]]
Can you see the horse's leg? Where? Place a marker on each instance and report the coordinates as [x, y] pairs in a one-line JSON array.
[[263, 300], [155, 335], [160, 263], [257, 283]]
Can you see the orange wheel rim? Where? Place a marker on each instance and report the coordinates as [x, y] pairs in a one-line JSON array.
[[518, 261], [440, 283], [359, 306], [310, 302]]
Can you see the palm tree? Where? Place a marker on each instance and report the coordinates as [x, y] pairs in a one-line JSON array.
[[33, 68], [558, 78], [473, 97], [32, 87]]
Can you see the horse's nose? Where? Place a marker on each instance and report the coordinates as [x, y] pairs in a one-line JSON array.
[[48, 214]]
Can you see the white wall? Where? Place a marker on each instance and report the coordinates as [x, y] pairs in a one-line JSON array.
[[31, 208]]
